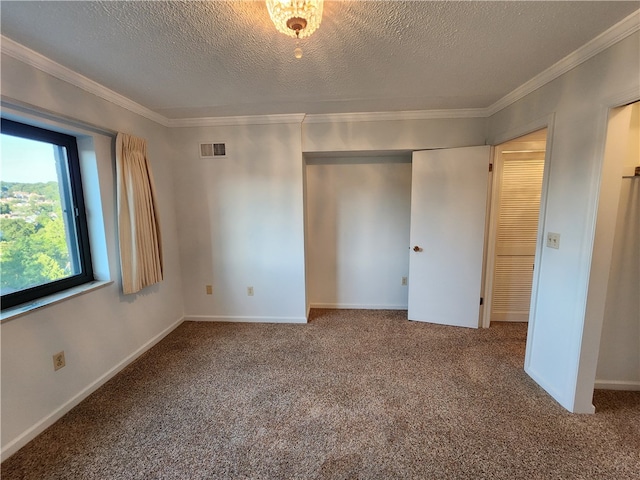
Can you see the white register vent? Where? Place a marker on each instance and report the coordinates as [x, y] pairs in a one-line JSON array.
[[213, 150]]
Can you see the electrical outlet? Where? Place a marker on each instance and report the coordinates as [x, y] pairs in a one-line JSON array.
[[250, 291], [404, 281], [58, 361], [209, 289], [553, 240]]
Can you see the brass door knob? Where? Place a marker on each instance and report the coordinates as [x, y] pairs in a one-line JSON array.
[[417, 249]]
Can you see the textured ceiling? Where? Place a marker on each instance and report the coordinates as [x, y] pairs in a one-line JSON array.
[[216, 58]]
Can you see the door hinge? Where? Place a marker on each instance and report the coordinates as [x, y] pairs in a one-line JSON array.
[[481, 300], [491, 167]]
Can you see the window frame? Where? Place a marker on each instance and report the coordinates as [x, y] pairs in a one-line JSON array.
[[85, 275]]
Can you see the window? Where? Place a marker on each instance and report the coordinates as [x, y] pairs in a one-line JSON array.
[[44, 241]]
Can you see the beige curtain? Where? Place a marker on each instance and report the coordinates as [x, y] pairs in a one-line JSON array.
[[138, 222]]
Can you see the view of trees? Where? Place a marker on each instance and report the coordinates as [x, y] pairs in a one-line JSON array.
[[33, 246]]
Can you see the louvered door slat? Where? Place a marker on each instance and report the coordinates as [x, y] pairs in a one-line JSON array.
[[519, 204], [512, 288]]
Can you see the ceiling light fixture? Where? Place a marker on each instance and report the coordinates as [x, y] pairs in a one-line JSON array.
[[296, 18]]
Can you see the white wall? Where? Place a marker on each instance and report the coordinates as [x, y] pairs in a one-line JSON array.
[[100, 331], [358, 212], [241, 223], [396, 135], [241, 219], [564, 335]]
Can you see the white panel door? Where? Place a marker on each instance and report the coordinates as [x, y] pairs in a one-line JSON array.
[[448, 209]]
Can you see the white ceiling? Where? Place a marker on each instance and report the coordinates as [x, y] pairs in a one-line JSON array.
[[205, 59]]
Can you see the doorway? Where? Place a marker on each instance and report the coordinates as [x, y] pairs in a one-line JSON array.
[[518, 171], [618, 365], [357, 211]]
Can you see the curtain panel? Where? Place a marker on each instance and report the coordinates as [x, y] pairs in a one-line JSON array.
[[138, 220]]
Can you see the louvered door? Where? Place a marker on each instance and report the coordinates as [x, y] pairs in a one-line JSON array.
[[519, 183]]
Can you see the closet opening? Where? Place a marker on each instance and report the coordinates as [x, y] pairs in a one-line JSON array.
[[517, 189], [357, 213]]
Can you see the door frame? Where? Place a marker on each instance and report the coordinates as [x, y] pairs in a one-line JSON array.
[[547, 122], [610, 185], [492, 220]]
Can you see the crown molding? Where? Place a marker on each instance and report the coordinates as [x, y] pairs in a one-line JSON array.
[[403, 115], [39, 61], [619, 31], [240, 120]]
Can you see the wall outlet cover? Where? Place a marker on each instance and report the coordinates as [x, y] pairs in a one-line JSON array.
[[58, 361]]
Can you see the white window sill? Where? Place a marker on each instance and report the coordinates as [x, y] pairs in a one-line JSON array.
[[25, 308]]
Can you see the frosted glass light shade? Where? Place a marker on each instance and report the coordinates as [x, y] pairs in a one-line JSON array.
[[287, 13]]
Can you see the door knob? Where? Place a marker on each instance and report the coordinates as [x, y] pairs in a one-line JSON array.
[[417, 249]]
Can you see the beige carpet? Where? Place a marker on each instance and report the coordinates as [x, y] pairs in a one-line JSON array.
[[352, 395]]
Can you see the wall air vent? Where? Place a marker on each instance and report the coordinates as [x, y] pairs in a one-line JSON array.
[[213, 150]]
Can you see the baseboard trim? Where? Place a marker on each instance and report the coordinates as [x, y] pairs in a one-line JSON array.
[[238, 319], [630, 385], [20, 441], [358, 306]]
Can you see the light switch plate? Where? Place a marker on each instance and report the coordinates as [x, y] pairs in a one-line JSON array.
[[553, 240]]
